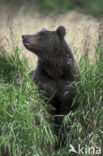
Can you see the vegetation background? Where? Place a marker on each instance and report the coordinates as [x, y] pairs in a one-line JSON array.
[[25, 129], [93, 7]]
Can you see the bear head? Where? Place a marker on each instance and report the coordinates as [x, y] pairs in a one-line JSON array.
[[46, 43]]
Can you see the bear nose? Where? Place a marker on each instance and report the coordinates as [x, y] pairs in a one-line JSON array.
[[23, 36]]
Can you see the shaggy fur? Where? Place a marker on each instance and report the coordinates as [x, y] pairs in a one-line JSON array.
[[56, 68]]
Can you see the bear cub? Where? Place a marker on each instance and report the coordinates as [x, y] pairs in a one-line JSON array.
[[56, 69]]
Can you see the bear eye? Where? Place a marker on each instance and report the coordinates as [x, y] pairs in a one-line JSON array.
[[42, 34]]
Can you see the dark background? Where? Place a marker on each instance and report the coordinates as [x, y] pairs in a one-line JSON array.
[[92, 7]]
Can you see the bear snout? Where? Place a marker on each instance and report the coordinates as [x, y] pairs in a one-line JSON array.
[[25, 41], [24, 37]]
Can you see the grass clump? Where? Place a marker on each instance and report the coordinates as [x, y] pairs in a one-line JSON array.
[[85, 126], [24, 121]]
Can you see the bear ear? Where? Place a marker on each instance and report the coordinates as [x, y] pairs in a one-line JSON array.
[[61, 32], [43, 29]]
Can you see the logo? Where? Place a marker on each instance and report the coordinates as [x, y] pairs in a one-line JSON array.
[[85, 150]]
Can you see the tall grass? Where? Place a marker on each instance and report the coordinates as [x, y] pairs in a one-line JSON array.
[[24, 121], [25, 128], [87, 127]]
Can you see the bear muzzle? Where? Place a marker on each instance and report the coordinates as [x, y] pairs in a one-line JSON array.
[[25, 40]]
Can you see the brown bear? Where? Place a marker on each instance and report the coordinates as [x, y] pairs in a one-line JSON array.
[[56, 69]]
